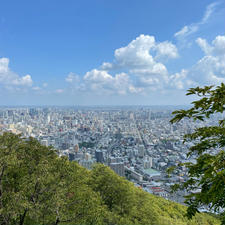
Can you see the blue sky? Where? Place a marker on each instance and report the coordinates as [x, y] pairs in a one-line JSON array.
[[109, 52]]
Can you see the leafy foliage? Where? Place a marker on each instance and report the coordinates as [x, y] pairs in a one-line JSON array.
[[39, 188], [208, 173], [36, 185]]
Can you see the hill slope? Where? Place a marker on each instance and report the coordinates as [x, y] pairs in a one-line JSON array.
[[38, 187]]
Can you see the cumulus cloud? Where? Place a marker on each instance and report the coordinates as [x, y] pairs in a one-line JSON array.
[[136, 53], [72, 78], [135, 67], [210, 69], [156, 75], [9, 78], [101, 82], [181, 80], [75, 82], [23, 81], [140, 67], [4, 65], [218, 47], [194, 27], [107, 66], [166, 50], [142, 58], [144, 51]]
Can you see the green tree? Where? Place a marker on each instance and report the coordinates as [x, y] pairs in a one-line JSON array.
[[208, 173], [116, 192], [38, 187]]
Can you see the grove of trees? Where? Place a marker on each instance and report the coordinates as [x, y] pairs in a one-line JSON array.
[[37, 187]]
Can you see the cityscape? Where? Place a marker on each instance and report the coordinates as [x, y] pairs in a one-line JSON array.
[[112, 112], [138, 143]]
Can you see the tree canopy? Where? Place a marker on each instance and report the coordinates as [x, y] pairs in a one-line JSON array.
[[207, 175], [37, 187]]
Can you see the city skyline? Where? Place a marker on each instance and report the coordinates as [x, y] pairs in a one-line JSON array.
[[138, 143], [109, 53]]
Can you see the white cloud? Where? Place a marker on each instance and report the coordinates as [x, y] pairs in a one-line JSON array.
[[136, 53], [176, 79], [107, 66], [186, 31], [219, 46], [181, 80], [74, 82], [194, 27], [101, 82], [4, 65], [156, 76], [210, 69], [138, 68], [23, 81], [209, 11], [9, 78], [98, 76], [72, 78], [135, 90], [144, 51], [141, 58], [204, 45], [166, 50], [182, 32]]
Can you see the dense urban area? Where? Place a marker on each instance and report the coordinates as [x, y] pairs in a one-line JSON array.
[[138, 143]]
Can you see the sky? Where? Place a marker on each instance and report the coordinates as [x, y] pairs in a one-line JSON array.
[[120, 52]]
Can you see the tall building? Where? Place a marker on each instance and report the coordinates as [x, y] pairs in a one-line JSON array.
[[118, 168], [147, 162], [141, 151], [99, 156]]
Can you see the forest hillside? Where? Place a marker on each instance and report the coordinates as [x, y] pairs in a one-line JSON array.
[[39, 187]]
